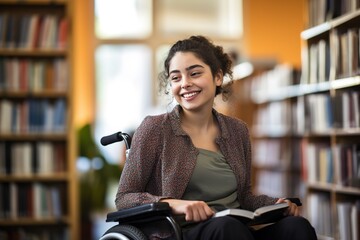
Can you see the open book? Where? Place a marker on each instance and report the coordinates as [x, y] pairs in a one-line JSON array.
[[263, 215]]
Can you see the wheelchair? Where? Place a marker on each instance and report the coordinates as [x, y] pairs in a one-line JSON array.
[[131, 221]]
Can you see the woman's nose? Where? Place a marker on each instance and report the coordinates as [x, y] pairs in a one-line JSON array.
[[186, 82]]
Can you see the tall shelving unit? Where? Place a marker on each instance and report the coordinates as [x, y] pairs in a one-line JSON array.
[[330, 144], [38, 185], [306, 132], [276, 145]]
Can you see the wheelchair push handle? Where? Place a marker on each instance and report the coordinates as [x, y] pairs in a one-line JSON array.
[[117, 137]]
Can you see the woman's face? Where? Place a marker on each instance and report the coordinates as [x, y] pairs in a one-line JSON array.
[[192, 83]]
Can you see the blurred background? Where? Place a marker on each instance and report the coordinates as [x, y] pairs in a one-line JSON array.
[[94, 73], [121, 45]]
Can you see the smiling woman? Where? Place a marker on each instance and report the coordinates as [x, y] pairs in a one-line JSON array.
[[168, 152]]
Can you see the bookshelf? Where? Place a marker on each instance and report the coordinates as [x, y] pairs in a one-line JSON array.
[[276, 145], [38, 184], [330, 145]]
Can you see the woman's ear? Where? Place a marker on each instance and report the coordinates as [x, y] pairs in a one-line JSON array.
[[219, 78]]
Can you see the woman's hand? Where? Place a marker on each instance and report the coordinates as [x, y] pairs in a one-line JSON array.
[[194, 211], [293, 209]]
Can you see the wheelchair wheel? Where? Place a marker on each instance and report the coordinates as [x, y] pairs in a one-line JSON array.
[[124, 232]]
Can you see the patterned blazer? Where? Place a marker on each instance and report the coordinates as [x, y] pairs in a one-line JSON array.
[[162, 159]]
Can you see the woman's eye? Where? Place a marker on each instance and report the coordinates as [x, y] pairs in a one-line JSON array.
[[174, 78], [195, 73]]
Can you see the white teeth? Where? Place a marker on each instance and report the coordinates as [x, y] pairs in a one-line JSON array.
[[187, 95]]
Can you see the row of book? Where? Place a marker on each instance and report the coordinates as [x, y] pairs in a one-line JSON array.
[[319, 112], [320, 213], [319, 159], [281, 75], [346, 52], [316, 63], [332, 58], [276, 153], [346, 106], [349, 220], [321, 11], [273, 118], [33, 31], [323, 219], [339, 112], [35, 233], [271, 183], [33, 116], [315, 113], [348, 171], [32, 200], [277, 183], [317, 162], [32, 158], [267, 84], [33, 75]]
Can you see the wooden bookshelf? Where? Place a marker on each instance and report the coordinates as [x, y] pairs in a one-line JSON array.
[[330, 141], [306, 132], [38, 184], [276, 145]]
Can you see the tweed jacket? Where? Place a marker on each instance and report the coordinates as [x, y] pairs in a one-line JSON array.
[[162, 159]]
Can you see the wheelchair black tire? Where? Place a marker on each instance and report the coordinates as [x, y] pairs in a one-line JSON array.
[[129, 231]]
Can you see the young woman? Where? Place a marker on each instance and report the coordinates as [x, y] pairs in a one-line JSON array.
[[195, 158]]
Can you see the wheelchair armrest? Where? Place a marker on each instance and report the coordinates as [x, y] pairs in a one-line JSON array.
[[146, 213], [139, 212]]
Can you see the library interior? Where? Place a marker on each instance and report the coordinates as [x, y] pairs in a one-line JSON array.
[[73, 71]]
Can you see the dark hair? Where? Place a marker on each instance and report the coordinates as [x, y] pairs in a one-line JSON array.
[[214, 56]]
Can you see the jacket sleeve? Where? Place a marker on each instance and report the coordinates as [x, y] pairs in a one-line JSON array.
[[139, 166]]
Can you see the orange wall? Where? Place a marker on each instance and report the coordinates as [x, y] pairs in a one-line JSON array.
[[272, 29], [83, 69]]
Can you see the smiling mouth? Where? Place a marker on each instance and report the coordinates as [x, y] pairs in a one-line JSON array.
[[189, 95]]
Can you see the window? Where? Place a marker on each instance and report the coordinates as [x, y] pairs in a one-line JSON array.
[[207, 17], [120, 74], [123, 19]]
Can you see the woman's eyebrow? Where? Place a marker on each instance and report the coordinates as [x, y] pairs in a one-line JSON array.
[[188, 68], [193, 66]]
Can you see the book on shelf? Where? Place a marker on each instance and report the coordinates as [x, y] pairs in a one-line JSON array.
[[349, 220], [43, 201], [263, 215], [346, 110], [320, 213], [317, 162], [348, 171], [320, 112], [27, 159], [33, 115], [33, 31], [346, 57], [270, 182], [322, 11], [28, 75]]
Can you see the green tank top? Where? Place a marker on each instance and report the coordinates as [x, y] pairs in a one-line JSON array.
[[213, 182]]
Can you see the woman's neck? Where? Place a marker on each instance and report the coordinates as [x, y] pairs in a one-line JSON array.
[[197, 121], [202, 129]]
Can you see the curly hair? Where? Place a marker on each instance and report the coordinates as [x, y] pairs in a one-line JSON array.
[[212, 55]]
